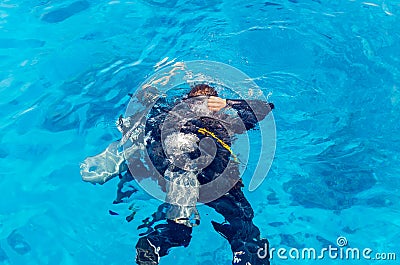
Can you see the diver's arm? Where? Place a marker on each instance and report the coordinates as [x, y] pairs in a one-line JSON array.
[[250, 111], [216, 103], [101, 168]]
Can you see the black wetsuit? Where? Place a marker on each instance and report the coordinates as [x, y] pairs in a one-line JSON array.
[[239, 229]]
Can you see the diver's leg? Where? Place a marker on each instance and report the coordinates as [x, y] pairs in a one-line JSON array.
[[151, 247], [240, 231]]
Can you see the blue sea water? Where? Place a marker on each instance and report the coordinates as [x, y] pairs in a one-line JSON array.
[[333, 68]]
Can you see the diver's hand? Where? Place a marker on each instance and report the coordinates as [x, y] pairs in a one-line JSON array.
[[216, 103]]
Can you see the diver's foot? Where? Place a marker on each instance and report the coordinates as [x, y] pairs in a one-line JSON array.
[[252, 253], [146, 253]]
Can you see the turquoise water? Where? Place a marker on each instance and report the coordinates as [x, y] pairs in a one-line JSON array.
[[67, 68]]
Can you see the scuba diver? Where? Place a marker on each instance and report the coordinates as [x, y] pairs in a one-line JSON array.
[[184, 162]]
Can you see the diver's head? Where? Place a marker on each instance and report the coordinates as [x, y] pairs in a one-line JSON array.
[[202, 90]]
